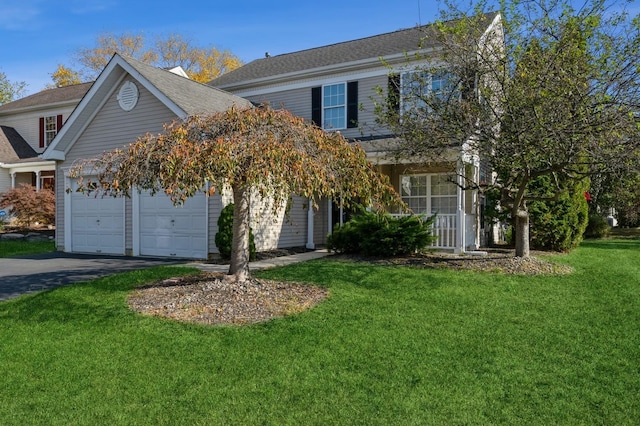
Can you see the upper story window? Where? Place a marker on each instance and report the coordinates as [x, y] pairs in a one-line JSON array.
[[419, 90], [49, 128], [335, 106]]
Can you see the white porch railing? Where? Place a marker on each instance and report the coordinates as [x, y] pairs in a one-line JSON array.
[[444, 228]]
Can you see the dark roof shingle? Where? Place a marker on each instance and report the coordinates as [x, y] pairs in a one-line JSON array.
[[374, 47], [49, 96], [13, 147]]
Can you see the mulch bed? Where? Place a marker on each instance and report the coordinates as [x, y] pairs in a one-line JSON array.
[[209, 298]]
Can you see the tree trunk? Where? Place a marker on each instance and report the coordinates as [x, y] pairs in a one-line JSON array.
[[522, 233], [239, 266]]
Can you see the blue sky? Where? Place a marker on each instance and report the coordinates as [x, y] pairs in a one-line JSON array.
[[37, 35]]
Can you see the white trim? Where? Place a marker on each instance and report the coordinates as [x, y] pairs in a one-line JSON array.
[[95, 90], [323, 107], [460, 235], [310, 243], [67, 214], [135, 211]]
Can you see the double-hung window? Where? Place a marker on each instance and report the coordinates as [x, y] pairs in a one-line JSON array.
[[335, 106], [419, 90], [429, 193], [49, 128]]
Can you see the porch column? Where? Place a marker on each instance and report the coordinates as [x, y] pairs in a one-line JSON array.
[[37, 180], [13, 179], [310, 244], [330, 215], [460, 219]]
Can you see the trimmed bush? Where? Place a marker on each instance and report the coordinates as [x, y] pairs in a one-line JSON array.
[[598, 227], [381, 235], [558, 224], [224, 236]]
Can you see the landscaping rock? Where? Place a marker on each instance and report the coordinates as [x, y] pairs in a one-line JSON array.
[[12, 236]]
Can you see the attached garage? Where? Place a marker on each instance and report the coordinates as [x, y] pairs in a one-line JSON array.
[[162, 229], [96, 224]]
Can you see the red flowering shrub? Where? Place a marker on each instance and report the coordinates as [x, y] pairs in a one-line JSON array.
[[28, 205]]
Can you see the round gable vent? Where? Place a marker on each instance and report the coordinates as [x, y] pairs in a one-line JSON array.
[[128, 96]]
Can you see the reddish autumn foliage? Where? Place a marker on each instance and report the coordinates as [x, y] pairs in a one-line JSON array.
[[28, 205]]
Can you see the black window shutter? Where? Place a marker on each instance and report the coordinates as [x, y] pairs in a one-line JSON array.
[[393, 93], [316, 106], [58, 123], [41, 132], [352, 104]]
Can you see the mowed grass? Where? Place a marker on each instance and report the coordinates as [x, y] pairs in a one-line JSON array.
[[9, 248], [392, 345]]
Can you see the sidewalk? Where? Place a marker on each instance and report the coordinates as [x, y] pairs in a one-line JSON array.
[[267, 263]]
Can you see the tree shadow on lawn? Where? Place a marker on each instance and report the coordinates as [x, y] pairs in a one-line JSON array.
[[613, 244]]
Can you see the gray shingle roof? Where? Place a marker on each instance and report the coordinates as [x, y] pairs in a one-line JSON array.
[[191, 96], [13, 147], [49, 96], [374, 47]]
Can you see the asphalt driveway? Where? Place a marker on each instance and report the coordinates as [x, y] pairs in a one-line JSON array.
[[32, 273]]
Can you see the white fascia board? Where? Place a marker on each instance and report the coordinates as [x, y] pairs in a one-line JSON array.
[[179, 112], [116, 61], [53, 155], [29, 167], [41, 107]]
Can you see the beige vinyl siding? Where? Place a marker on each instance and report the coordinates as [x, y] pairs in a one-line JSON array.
[[215, 207], [298, 101], [279, 230], [112, 128], [28, 123], [5, 180]]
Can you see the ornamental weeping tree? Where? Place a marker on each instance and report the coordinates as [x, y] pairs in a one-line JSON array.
[[547, 90], [254, 152]]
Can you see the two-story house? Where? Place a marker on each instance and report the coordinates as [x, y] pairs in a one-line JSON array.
[[27, 127], [335, 86], [331, 85]]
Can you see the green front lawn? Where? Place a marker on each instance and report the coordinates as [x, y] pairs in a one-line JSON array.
[[392, 345], [9, 248]]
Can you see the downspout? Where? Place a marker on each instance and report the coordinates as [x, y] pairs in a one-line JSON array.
[[310, 243]]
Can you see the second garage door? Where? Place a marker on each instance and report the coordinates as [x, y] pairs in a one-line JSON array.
[[176, 231]]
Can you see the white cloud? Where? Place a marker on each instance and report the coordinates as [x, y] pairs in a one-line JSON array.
[[80, 7], [23, 17]]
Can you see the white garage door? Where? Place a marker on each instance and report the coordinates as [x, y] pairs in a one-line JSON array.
[[168, 230], [97, 224]]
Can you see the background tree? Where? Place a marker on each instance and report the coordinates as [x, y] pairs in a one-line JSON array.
[[202, 64], [63, 77], [552, 91], [253, 152], [10, 90]]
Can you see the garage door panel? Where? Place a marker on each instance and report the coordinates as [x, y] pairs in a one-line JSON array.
[[168, 230], [97, 224]]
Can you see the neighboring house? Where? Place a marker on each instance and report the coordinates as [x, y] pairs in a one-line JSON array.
[[334, 86], [27, 127], [129, 99]]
